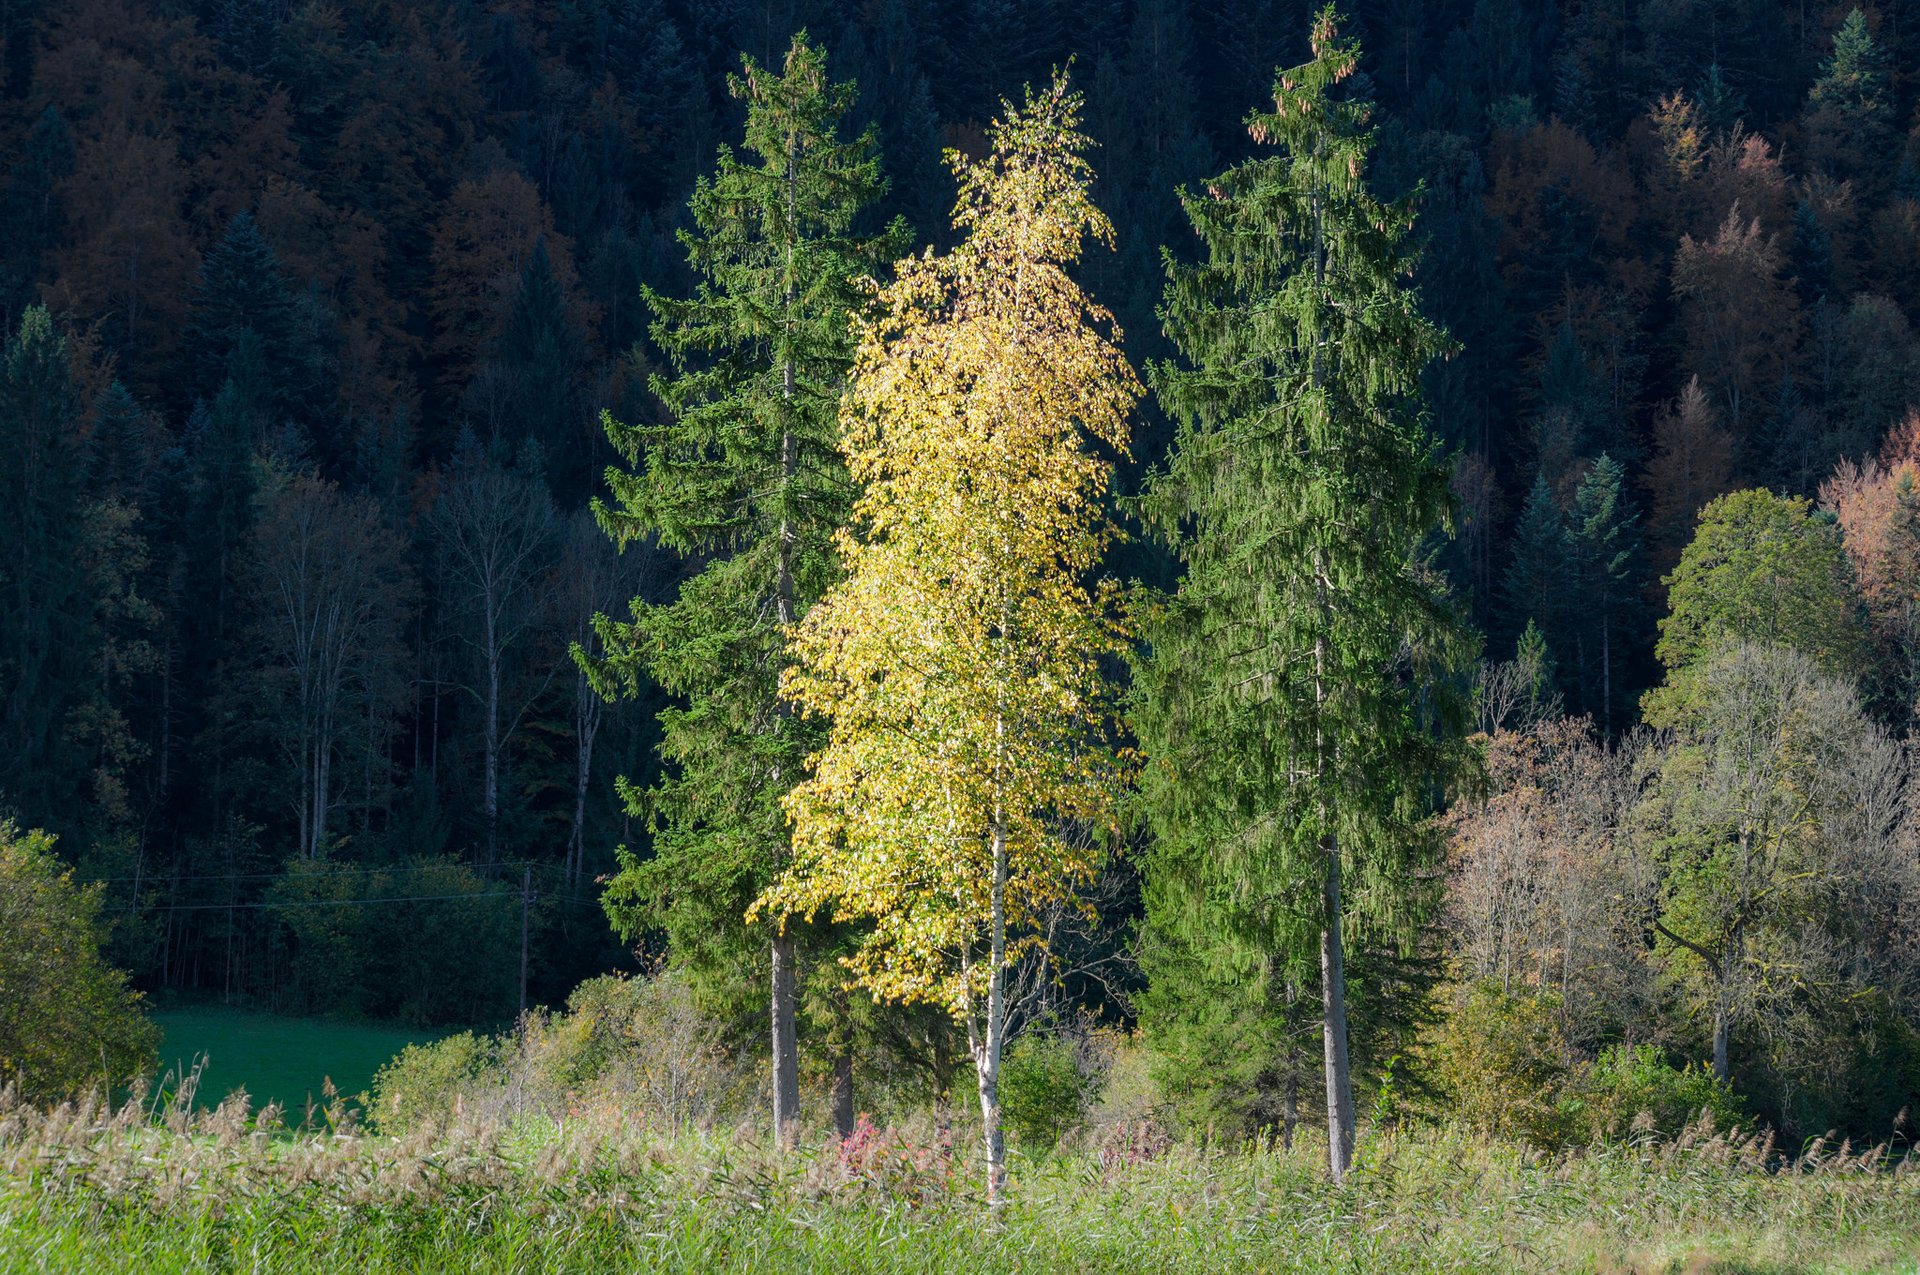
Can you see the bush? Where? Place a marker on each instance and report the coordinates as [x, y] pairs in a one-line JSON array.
[[1502, 1062], [67, 1020], [427, 1082], [1042, 1092], [624, 1048], [1635, 1089]]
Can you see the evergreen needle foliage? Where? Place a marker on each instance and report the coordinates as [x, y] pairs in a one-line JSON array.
[[1293, 760], [743, 475]]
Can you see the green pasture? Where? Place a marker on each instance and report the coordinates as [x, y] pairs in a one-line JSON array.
[[275, 1057]]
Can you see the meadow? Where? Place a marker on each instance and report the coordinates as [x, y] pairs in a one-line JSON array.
[[275, 1057], [167, 1187]]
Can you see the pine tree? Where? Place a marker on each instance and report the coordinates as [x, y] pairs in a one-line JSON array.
[[1288, 764], [1605, 536], [743, 474], [970, 741], [46, 635]]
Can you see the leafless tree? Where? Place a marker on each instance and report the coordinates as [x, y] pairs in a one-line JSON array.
[[332, 597], [495, 535]]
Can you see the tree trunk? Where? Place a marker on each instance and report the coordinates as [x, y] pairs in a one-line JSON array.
[[491, 784], [991, 1042], [786, 1054], [843, 1092], [1720, 1033], [1333, 971], [1333, 1026]]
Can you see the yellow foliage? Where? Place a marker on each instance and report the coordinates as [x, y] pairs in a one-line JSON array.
[[970, 750]]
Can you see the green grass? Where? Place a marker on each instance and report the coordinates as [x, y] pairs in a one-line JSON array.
[[276, 1058], [85, 1191]]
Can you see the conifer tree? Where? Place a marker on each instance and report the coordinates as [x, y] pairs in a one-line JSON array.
[[969, 749], [1534, 589], [1605, 536], [743, 474], [1288, 769]]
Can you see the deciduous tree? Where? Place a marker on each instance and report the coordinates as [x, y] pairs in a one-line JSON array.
[[959, 664]]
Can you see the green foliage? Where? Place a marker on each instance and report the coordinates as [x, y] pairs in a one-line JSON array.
[[67, 1020], [1502, 1062], [424, 1082], [437, 943], [1854, 82], [744, 477], [1762, 568], [1604, 538], [1537, 588], [1276, 696], [1043, 1094], [1633, 1089]]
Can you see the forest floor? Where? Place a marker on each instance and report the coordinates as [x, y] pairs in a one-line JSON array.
[[274, 1057], [95, 1190]]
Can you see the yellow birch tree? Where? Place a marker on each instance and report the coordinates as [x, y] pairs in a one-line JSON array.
[[970, 740]]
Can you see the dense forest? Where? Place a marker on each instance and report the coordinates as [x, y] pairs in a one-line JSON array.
[[365, 363]]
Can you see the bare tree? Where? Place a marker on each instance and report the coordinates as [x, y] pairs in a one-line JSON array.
[[332, 597], [494, 532], [596, 577]]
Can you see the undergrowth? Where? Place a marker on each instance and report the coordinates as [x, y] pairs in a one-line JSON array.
[[156, 1186]]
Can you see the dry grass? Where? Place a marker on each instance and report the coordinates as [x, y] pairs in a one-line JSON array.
[[156, 1186]]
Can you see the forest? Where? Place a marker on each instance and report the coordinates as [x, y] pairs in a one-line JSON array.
[[1135, 573]]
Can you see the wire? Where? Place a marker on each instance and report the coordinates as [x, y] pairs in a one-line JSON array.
[[263, 905]]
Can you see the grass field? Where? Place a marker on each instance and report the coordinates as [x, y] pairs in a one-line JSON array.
[[273, 1057], [91, 1190]]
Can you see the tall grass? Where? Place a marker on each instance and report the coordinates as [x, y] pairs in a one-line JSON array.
[[149, 1185]]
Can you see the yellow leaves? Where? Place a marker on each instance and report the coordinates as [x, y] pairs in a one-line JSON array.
[[959, 660]]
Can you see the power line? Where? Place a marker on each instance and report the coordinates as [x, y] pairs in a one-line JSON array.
[[344, 869], [329, 903]]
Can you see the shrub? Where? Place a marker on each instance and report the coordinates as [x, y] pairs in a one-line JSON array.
[[1634, 1088], [427, 1082], [67, 1020], [1042, 1091], [630, 1049], [1502, 1061]]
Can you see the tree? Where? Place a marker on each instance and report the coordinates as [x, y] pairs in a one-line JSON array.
[[67, 1020], [1743, 871], [329, 582], [539, 354], [1849, 117], [241, 289], [744, 474], [1605, 535], [47, 635], [1692, 463], [494, 531], [958, 665], [1741, 317], [1877, 508], [1763, 568], [1538, 584], [1290, 757]]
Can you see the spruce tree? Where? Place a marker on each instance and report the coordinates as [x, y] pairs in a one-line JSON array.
[[1535, 586], [242, 290], [1605, 536], [744, 476], [1289, 764]]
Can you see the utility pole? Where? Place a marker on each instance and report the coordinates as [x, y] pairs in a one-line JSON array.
[[526, 899]]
